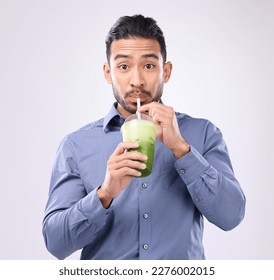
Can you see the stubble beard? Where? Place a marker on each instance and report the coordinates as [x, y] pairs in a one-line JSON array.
[[132, 109]]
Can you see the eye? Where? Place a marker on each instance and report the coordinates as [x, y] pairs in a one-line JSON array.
[[149, 66], [123, 67]]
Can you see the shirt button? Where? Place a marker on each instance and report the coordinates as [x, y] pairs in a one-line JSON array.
[[183, 171], [145, 246], [145, 216], [144, 185]]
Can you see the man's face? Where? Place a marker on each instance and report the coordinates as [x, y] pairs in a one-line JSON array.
[[136, 69]]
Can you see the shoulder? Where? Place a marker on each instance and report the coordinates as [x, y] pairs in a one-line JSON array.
[[183, 118], [199, 132], [88, 131], [197, 126]]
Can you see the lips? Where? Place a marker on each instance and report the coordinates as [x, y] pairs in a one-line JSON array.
[[143, 97], [136, 92]]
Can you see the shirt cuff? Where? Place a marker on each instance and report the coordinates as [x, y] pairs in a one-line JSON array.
[[191, 166], [92, 208]]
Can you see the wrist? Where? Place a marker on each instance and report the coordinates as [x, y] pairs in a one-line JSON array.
[[181, 150], [104, 197]]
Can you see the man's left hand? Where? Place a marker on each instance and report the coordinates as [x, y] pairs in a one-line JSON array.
[[167, 127]]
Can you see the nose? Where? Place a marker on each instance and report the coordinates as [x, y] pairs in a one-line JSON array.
[[137, 79]]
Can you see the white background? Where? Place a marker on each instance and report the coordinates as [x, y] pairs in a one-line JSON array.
[[51, 83]]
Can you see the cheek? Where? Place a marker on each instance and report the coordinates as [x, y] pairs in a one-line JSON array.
[[117, 80], [115, 77], [156, 81], [117, 84]]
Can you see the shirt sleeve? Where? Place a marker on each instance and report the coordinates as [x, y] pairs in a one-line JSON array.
[[72, 217], [211, 183]]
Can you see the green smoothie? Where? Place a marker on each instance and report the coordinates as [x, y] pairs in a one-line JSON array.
[[143, 132]]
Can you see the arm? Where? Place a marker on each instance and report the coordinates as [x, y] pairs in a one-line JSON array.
[[211, 182], [74, 218], [209, 176]]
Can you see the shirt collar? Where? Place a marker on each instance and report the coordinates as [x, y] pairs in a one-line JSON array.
[[113, 119]]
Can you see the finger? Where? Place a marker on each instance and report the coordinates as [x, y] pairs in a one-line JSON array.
[[158, 112], [128, 163], [126, 171], [123, 146], [149, 106], [132, 155], [160, 117], [121, 160], [144, 108]]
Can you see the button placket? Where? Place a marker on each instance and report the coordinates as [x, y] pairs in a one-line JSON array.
[[145, 246], [145, 215], [144, 185]]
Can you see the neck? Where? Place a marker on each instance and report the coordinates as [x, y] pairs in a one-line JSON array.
[[123, 112]]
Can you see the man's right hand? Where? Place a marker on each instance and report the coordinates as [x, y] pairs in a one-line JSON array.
[[121, 167]]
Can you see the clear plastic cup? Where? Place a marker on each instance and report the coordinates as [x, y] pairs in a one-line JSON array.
[[143, 131]]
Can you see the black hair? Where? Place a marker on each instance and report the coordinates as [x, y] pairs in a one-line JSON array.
[[136, 26]]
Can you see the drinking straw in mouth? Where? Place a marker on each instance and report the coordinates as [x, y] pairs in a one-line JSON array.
[[138, 106]]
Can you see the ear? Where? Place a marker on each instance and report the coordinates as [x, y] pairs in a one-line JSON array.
[[106, 69], [167, 71]]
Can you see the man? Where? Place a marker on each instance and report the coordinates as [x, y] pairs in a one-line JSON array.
[[96, 201]]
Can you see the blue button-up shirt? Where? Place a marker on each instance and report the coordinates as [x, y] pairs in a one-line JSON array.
[[155, 217]]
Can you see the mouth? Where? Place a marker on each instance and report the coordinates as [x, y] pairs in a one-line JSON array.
[[143, 97]]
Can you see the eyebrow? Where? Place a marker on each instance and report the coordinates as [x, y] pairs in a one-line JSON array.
[[150, 55]]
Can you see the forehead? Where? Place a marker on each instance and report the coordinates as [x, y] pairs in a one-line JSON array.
[[135, 46]]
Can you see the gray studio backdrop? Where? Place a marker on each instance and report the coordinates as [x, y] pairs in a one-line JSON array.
[[51, 83]]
